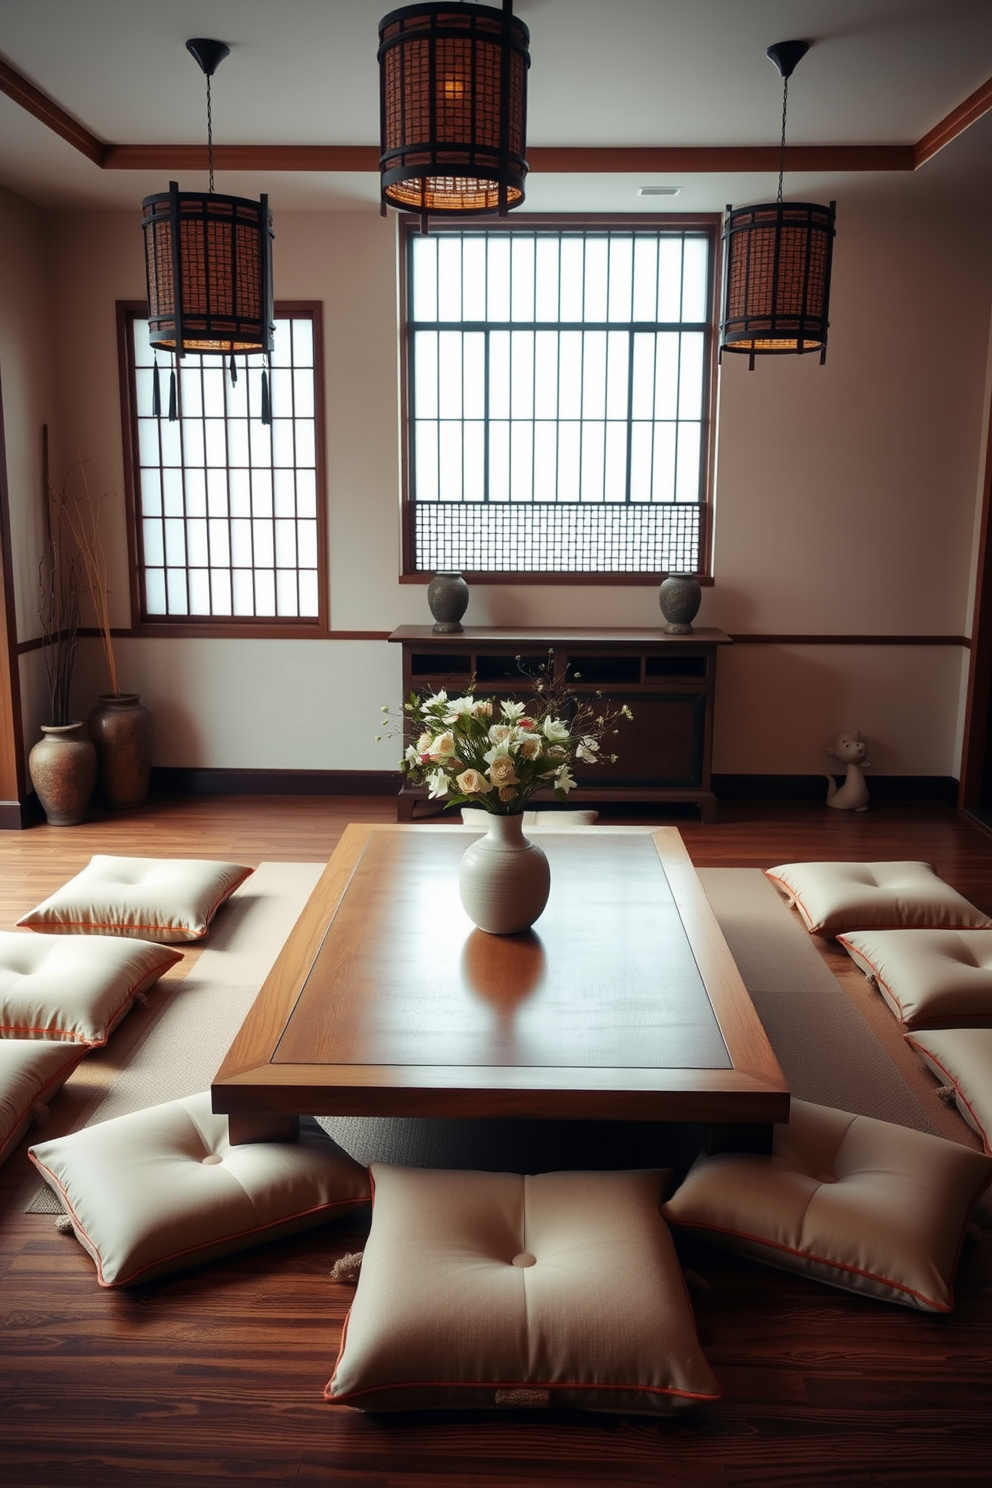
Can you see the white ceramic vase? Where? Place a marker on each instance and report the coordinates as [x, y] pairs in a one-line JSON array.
[[504, 878]]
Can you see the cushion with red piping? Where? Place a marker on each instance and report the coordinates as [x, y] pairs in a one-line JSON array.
[[962, 1059], [833, 897], [928, 978], [160, 1189], [494, 1290], [160, 899], [860, 1204], [74, 987], [31, 1071]]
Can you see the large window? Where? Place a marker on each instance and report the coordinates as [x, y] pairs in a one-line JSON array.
[[228, 525], [558, 398]]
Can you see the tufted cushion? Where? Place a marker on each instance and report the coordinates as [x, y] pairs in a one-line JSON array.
[[161, 899], [929, 978], [31, 1070], [857, 1203], [832, 897], [962, 1057], [163, 1188], [76, 987], [475, 816], [492, 1289]]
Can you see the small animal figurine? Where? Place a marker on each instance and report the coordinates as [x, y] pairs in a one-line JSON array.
[[850, 749]]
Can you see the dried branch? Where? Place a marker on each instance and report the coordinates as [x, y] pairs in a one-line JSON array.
[[58, 611], [81, 515]]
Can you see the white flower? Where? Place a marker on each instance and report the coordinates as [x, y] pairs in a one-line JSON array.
[[530, 746], [501, 734], [443, 746], [412, 754], [556, 730], [564, 779], [512, 711], [587, 749], [436, 703], [482, 708], [458, 709], [438, 784]]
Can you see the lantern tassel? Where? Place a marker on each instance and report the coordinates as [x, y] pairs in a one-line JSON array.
[[266, 400], [234, 371], [156, 392], [172, 396]]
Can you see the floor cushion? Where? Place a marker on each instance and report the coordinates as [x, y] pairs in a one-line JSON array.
[[160, 899], [498, 1290], [962, 1058], [31, 1071], [163, 1188], [929, 978], [834, 897], [74, 987], [848, 1200]]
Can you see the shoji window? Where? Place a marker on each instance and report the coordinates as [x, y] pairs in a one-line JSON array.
[[559, 398], [229, 511]]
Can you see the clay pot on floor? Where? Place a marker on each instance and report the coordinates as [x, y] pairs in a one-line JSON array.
[[62, 767], [121, 729]]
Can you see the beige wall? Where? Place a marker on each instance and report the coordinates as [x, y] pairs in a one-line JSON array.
[[846, 502]]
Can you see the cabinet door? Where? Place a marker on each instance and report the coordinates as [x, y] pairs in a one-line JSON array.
[[663, 745]]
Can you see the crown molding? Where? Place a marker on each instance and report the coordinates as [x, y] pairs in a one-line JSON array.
[[545, 159]]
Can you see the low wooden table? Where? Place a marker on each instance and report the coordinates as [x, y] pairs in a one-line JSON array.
[[623, 1002]]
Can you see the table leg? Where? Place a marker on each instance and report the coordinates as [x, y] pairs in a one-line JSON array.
[[738, 1136], [262, 1126]]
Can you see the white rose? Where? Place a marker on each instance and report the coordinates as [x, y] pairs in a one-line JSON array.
[[443, 746], [501, 733], [502, 771], [472, 783], [531, 746]]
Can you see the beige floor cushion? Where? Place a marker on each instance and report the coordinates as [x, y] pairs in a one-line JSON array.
[[474, 816], [31, 1071], [74, 987], [962, 1058], [929, 978], [163, 1188], [836, 897], [496, 1290], [161, 899], [857, 1203]]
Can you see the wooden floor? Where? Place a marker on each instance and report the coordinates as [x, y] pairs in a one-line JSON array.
[[216, 1374]]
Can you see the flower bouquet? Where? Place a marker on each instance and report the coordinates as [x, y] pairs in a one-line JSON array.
[[480, 751], [493, 753]]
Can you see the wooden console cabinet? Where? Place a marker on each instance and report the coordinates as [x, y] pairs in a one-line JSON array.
[[667, 681]]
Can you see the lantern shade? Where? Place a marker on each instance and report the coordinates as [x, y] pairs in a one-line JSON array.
[[776, 279], [208, 264], [453, 108]]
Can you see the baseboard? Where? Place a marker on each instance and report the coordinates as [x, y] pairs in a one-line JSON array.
[[181, 780], [813, 787], [17, 814]]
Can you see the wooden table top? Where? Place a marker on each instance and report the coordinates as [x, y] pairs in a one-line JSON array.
[[623, 1002]]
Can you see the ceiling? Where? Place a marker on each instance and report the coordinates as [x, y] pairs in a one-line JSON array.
[[604, 73]]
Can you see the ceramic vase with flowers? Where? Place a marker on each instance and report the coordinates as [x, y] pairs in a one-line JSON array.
[[496, 754]]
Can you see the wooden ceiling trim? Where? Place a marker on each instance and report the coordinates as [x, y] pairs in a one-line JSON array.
[[957, 121], [546, 159], [48, 111]]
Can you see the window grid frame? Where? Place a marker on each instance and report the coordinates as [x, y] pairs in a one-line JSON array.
[[590, 226], [258, 627]]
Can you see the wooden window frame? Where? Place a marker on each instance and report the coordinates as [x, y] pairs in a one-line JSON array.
[[223, 626], [709, 222]]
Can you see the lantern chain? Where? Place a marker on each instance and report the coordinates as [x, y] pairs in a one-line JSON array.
[[210, 140], [781, 148]]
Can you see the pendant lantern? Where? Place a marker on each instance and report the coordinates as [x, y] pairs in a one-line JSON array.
[[208, 263], [453, 109], [776, 262]]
